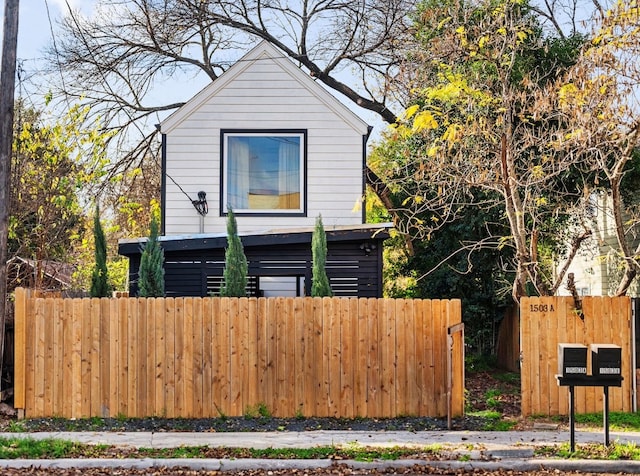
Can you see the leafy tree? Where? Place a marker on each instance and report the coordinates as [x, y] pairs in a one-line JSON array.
[[320, 286], [100, 286], [236, 267], [151, 273], [54, 161], [475, 138]]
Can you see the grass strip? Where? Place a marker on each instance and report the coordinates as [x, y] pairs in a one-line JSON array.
[[22, 448], [620, 421], [615, 451], [318, 452], [50, 448]]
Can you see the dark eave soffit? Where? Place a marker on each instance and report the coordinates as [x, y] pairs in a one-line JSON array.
[[276, 239]]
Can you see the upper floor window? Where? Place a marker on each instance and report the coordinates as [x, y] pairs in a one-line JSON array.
[[263, 171]]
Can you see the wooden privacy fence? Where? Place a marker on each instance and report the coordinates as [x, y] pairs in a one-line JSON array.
[[209, 357], [546, 322]]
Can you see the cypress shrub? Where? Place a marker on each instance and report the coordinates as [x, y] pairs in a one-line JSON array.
[[236, 267], [320, 286], [100, 286], [151, 273]]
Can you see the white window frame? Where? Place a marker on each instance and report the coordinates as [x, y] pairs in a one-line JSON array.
[[302, 154]]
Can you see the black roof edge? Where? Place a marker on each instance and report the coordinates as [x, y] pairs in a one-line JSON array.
[[132, 248]]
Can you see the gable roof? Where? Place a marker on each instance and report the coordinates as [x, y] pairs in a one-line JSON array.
[[60, 273], [264, 51]]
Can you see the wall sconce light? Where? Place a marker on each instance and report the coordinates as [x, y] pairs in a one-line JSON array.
[[201, 203], [367, 247]]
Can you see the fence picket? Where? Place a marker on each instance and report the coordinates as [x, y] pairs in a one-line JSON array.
[[252, 356], [207, 358], [197, 370], [95, 396], [440, 348], [114, 345], [234, 385], [39, 357], [374, 355], [560, 398], [242, 319], [402, 356], [179, 357], [287, 405], [188, 357], [546, 327], [345, 406], [322, 318], [309, 368], [104, 359], [360, 357], [20, 345], [428, 367], [299, 352], [149, 355], [224, 369], [388, 341], [332, 309], [47, 376], [262, 346], [57, 375], [170, 359]]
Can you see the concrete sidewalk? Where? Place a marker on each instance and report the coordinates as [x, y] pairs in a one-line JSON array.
[[309, 439], [511, 450]]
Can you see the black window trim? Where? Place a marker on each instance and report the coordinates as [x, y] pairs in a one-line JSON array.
[[304, 134]]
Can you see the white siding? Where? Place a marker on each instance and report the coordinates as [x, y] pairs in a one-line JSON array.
[[596, 270], [264, 94]]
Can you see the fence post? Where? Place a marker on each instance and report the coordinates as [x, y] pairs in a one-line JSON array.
[[20, 326], [450, 331]]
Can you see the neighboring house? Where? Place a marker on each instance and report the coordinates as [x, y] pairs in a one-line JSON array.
[[597, 267], [44, 275], [268, 141]]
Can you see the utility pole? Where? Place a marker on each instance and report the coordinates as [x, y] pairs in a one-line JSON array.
[[7, 89]]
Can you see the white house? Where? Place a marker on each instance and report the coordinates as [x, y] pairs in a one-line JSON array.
[[597, 267], [268, 141]]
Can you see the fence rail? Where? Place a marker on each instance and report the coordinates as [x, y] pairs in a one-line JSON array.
[[208, 357], [548, 321]]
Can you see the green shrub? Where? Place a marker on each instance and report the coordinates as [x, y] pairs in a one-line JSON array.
[[320, 286], [236, 267], [151, 273]]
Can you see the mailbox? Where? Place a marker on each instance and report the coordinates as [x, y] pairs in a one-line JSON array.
[[606, 360], [572, 360]]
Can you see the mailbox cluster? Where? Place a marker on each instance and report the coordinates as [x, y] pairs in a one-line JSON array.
[[606, 360], [606, 371]]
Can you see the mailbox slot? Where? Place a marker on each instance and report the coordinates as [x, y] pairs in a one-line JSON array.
[[572, 360], [606, 360]]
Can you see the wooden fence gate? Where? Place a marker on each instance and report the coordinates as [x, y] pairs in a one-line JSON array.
[[547, 321], [208, 357]]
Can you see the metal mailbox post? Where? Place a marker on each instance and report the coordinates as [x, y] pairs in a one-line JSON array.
[[606, 366]]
